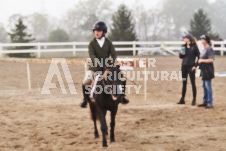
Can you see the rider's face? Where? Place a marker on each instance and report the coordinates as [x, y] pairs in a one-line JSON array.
[[98, 34]]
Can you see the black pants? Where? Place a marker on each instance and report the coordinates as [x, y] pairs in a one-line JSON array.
[[185, 71]]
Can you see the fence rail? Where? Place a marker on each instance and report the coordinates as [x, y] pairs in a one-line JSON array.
[[136, 47]]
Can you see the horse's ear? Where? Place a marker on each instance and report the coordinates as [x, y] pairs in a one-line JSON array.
[[118, 66]]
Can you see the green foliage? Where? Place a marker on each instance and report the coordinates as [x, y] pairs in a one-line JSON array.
[[123, 26], [201, 24], [19, 35], [58, 35]]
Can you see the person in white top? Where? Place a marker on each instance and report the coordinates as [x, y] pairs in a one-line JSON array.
[[99, 47], [101, 41]]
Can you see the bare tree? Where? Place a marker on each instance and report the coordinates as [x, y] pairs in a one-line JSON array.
[[40, 25], [79, 17], [155, 23], [182, 11], [218, 17], [3, 34], [149, 23]]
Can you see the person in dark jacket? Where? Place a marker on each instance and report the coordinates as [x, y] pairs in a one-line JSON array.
[[189, 54], [207, 71], [100, 50]]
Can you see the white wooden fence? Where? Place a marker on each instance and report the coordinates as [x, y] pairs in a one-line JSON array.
[[172, 47]]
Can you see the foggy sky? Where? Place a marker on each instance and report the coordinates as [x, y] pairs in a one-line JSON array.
[[55, 8]]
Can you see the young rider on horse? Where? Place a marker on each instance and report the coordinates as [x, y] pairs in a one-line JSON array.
[[99, 48]]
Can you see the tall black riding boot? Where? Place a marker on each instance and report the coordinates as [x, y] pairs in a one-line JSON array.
[[84, 101]]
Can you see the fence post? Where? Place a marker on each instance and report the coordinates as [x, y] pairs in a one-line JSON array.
[[28, 76], [39, 50], [145, 82], [1, 50], [74, 49], [222, 48], [162, 48], [134, 48], [212, 44]]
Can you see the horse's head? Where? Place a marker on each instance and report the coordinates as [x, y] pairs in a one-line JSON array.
[[112, 80]]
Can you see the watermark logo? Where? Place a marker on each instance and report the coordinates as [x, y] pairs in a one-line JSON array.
[[54, 70], [123, 75]]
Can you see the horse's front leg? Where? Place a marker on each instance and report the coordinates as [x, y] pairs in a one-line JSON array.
[[112, 134], [95, 125], [96, 131], [103, 127], [94, 117]]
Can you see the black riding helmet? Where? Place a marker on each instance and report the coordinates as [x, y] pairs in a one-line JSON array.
[[100, 26]]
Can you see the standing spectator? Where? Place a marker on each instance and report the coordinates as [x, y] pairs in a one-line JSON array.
[[207, 71], [189, 53]]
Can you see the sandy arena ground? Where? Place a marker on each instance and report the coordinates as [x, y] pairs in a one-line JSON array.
[[30, 121]]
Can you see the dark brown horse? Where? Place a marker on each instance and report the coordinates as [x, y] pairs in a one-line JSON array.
[[109, 90]]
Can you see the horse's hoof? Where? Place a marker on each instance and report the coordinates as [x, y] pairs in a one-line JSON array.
[[112, 140], [105, 145]]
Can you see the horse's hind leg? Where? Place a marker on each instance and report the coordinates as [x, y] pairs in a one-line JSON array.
[[112, 134]]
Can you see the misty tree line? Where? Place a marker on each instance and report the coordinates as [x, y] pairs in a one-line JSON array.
[[168, 22]]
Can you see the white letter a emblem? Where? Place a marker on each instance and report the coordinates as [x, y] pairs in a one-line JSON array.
[[54, 70]]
